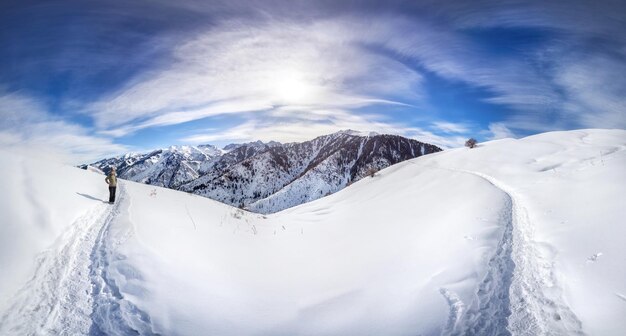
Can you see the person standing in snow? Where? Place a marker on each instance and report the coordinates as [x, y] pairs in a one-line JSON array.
[[111, 179]]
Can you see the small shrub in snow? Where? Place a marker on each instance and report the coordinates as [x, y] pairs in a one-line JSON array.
[[371, 172]]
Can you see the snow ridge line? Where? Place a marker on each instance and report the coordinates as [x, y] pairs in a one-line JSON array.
[[535, 299], [111, 313]]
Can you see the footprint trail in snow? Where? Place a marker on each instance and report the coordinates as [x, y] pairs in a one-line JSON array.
[[519, 294], [69, 293]]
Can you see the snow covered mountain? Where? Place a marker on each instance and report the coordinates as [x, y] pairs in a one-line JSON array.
[[163, 167], [270, 177], [514, 237]]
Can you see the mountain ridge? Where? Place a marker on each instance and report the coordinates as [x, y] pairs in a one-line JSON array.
[[251, 175]]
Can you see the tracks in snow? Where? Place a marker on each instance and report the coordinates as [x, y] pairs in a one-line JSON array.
[[67, 294], [489, 313], [519, 294], [111, 313]]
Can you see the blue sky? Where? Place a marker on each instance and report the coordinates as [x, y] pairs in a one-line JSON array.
[[89, 79]]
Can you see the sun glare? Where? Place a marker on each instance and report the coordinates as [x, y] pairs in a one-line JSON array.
[[290, 87]]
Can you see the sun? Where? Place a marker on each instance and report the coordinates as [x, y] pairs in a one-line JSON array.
[[291, 87]]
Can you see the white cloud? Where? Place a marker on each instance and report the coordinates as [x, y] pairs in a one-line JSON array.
[[27, 128], [450, 127], [294, 127], [499, 131], [177, 117], [594, 86], [290, 125]]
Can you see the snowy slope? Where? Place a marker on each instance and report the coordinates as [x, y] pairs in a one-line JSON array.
[[47, 222], [568, 205], [513, 237]]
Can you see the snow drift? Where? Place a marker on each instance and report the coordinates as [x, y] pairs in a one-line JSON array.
[[513, 237]]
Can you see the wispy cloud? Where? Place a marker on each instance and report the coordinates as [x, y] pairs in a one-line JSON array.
[[295, 127], [177, 117], [450, 127], [499, 131], [594, 86], [27, 127]]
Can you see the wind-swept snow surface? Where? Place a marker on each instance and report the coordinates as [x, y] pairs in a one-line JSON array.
[[515, 237], [68, 291]]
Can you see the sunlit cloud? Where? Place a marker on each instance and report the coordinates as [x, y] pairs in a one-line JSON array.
[[270, 63]]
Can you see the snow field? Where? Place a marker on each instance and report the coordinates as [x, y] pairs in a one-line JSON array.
[[514, 237], [333, 267], [568, 186], [39, 204]]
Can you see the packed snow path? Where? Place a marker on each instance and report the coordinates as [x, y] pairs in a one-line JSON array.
[[520, 294], [70, 293]]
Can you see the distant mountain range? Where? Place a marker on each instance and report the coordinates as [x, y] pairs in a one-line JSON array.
[[268, 177]]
